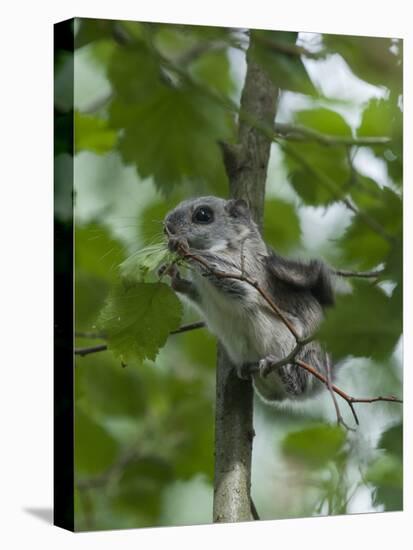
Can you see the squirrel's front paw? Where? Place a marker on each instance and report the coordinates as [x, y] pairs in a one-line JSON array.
[[267, 364], [168, 269]]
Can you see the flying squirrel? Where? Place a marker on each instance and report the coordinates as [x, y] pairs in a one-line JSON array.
[[223, 234]]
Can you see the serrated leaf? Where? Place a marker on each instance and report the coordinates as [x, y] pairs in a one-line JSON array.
[[213, 70], [365, 192], [315, 446], [361, 324], [380, 118], [364, 246], [281, 225], [286, 71], [169, 131], [142, 265], [383, 117], [93, 134], [137, 319], [331, 163]]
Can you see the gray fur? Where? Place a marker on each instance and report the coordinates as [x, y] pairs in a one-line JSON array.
[[235, 312]]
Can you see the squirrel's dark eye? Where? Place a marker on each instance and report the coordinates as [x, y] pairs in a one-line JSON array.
[[203, 214]]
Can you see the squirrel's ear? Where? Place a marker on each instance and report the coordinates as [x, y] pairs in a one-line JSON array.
[[237, 208]]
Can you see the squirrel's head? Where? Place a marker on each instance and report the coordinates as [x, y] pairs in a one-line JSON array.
[[210, 223]]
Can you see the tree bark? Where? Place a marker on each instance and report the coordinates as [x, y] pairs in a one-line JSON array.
[[246, 165]]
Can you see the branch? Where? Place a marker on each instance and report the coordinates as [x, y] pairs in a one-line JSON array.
[[359, 274], [188, 327], [299, 342], [92, 349], [302, 133], [350, 400], [103, 347], [246, 164]]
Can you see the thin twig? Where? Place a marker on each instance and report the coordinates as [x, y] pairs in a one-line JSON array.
[[360, 274], [340, 419], [241, 277], [296, 132], [92, 349], [188, 327], [103, 347], [184, 252]]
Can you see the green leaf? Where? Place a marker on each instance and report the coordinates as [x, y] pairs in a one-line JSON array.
[[392, 440], [364, 246], [213, 70], [95, 448], [170, 131], [142, 266], [285, 70], [137, 319], [315, 446], [91, 30], [331, 163], [172, 41], [381, 117], [324, 121], [361, 324], [93, 134], [386, 473], [281, 225], [365, 192]]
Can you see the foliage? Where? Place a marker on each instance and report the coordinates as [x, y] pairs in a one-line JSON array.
[[138, 318], [144, 428], [316, 445]]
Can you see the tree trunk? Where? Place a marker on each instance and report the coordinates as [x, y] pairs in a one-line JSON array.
[[246, 165]]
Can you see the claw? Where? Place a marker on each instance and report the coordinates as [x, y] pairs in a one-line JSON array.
[[168, 269], [266, 364]]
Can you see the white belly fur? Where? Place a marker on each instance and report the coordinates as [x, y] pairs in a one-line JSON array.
[[247, 328]]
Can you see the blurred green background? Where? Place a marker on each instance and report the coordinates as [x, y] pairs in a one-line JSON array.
[[150, 107]]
